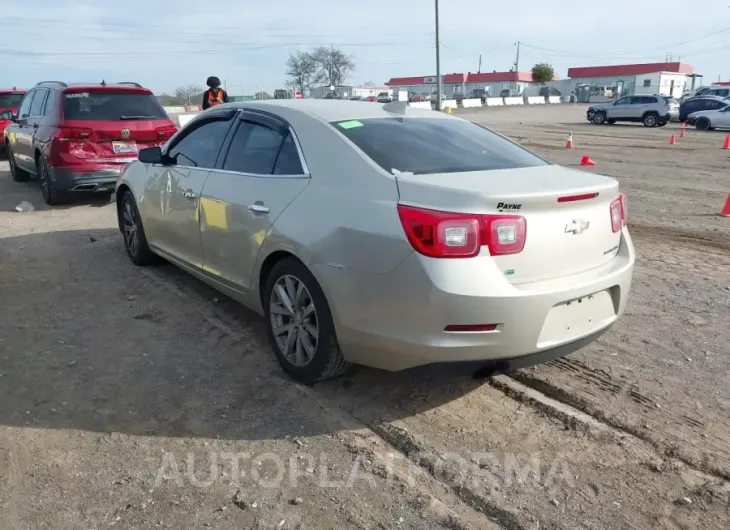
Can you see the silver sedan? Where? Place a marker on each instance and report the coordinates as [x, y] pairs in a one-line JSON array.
[[382, 235]]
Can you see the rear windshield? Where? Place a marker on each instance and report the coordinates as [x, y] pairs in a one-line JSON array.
[[111, 106], [10, 100], [434, 145], [671, 100]]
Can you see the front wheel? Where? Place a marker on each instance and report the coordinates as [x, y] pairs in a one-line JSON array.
[[299, 324], [599, 118], [18, 174], [134, 238], [703, 124]]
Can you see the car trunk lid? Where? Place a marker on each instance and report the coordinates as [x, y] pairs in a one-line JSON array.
[[567, 213]]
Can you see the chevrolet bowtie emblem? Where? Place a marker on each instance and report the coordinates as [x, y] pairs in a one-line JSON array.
[[577, 226]]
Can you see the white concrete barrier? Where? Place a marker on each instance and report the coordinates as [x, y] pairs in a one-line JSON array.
[[420, 104], [517, 100], [471, 102], [174, 110], [449, 103], [554, 99], [494, 102], [535, 100], [181, 119]]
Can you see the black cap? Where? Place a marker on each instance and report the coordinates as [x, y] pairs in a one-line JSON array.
[[213, 82]]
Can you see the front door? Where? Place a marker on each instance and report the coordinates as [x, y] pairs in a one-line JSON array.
[[620, 109], [173, 191], [260, 176], [28, 117]]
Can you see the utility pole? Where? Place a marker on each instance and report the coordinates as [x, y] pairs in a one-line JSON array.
[[439, 86], [517, 59], [479, 71]]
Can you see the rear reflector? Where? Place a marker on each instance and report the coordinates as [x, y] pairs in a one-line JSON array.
[[573, 198], [470, 328], [438, 234]]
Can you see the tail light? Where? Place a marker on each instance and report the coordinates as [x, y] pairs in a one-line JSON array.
[[74, 141], [457, 235], [618, 212], [165, 133]]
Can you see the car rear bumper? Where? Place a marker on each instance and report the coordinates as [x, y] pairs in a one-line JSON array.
[[396, 320], [100, 180]]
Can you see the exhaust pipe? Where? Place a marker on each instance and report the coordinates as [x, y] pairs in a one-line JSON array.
[[85, 187]]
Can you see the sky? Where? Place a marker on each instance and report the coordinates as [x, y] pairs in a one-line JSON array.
[[164, 44]]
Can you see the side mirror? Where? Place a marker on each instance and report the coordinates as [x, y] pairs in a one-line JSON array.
[[151, 155]]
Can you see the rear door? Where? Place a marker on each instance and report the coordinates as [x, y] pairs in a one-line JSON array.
[[261, 174], [172, 195], [121, 121], [722, 117]]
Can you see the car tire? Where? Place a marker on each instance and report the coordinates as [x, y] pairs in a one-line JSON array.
[[51, 195], [309, 352], [703, 124], [599, 118], [18, 174], [135, 240], [650, 119]]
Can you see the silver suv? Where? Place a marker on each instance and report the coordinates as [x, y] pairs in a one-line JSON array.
[[651, 110]]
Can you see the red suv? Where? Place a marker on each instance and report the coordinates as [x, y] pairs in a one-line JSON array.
[[9, 102], [78, 137]]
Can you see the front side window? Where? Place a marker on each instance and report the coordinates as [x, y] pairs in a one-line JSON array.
[[434, 145], [24, 110], [103, 105], [200, 147]]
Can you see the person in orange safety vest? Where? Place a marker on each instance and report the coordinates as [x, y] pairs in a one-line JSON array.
[[215, 95]]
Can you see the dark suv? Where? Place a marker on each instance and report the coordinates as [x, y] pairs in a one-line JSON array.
[[78, 137]]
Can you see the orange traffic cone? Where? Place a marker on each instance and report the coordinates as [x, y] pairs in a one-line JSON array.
[[672, 140], [586, 161], [725, 212], [684, 125], [569, 143], [681, 133], [726, 145]]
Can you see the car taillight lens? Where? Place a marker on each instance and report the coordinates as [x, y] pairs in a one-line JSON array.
[[440, 234], [74, 141], [165, 133], [618, 212]]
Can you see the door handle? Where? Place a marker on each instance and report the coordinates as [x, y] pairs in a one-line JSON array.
[[189, 194], [258, 207]]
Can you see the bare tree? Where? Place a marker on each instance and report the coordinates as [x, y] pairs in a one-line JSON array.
[[300, 68], [333, 66], [187, 92]]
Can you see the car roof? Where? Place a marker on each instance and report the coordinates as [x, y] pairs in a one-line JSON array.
[[333, 109]]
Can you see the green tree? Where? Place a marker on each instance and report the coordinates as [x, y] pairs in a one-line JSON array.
[[543, 72]]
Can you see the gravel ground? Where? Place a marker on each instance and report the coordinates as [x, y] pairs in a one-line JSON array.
[[126, 395]]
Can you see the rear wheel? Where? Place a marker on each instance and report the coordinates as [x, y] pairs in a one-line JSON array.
[[599, 118], [651, 119], [703, 124], [299, 324], [18, 174], [51, 195]]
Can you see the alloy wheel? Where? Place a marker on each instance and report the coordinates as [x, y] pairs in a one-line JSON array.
[[130, 226], [294, 320], [43, 175]]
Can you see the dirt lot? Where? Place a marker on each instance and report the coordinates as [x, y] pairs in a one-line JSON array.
[[140, 398]]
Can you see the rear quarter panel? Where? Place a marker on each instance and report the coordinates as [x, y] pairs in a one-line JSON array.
[[347, 217]]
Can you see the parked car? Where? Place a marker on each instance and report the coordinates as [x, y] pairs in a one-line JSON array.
[[651, 110], [549, 91], [399, 251], [77, 137], [9, 103], [706, 120], [697, 104], [384, 97]]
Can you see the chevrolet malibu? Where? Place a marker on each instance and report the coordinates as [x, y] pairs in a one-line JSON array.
[[382, 235]]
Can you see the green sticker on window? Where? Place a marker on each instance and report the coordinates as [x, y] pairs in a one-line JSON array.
[[350, 124]]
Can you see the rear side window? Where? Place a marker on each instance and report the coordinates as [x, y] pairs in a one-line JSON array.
[[10, 100], [260, 150], [112, 106], [671, 101], [434, 145]]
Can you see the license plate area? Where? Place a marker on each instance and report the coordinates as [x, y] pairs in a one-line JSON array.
[[576, 318], [124, 148]]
